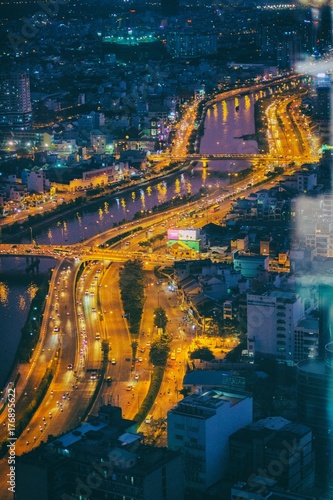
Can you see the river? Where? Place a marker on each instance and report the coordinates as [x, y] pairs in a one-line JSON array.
[[225, 124]]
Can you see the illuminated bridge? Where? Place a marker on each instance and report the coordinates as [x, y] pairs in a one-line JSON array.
[[80, 251], [231, 156]]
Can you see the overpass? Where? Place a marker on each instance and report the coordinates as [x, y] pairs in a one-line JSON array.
[[76, 251], [232, 156]]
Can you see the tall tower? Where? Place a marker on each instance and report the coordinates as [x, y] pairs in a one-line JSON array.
[[324, 34], [15, 103], [315, 391], [325, 318], [170, 7], [288, 49]]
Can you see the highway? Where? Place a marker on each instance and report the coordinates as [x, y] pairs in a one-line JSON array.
[[70, 309]]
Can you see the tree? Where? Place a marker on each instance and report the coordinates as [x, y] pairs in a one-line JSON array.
[[160, 319], [185, 391], [132, 284], [203, 353], [105, 347], [144, 243], [234, 355], [159, 353]]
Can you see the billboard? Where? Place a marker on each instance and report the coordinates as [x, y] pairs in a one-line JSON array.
[[191, 245], [183, 234]]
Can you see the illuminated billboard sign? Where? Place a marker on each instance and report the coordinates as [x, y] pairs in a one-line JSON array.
[[183, 234]]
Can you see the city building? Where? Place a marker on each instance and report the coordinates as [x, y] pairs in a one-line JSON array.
[[103, 458], [250, 265], [306, 338], [92, 121], [323, 101], [190, 43], [98, 141], [35, 180], [27, 139], [240, 242], [265, 245], [15, 103], [262, 488], [207, 380], [314, 405], [321, 239], [186, 242], [324, 33], [260, 446], [302, 181], [94, 178], [271, 319], [200, 426], [315, 390], [288, 50]]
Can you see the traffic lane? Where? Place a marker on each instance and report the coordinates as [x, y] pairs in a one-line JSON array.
[[43, 354], [120, 355], [61, 381], [63, 408]]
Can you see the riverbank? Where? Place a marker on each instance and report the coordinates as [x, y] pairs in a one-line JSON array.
[[15, 232], [30, 331]]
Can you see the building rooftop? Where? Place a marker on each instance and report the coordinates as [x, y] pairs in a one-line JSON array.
[[273, 423], [214, 377], [88, 442], [204, 405], [313, 366], [309, 323], [281, 295], [79, 433]]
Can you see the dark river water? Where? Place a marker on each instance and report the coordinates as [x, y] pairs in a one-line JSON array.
[[225, 125]]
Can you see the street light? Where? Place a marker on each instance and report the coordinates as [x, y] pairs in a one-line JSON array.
[[31, 234]]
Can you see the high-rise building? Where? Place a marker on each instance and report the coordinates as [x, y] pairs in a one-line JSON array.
[[314, 405], [200, 426], [192, 43], [170, 7], [15, 103], [260, 445], [315, 390], [307, 32], [306, 334], [271, 318], [323, 101], [324, 34], [288, 49]]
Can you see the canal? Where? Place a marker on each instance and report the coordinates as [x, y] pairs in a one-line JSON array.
[[229, 125]]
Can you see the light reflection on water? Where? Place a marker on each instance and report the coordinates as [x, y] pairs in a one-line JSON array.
[[223, 128], [16, 294], [4, 293]]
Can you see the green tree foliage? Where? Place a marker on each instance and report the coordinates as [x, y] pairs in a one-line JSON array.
[[144, 243], [154, 387], [159, 350], [132, 284], [203, 353], [160, 318], [234, 355], [105, 347]]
